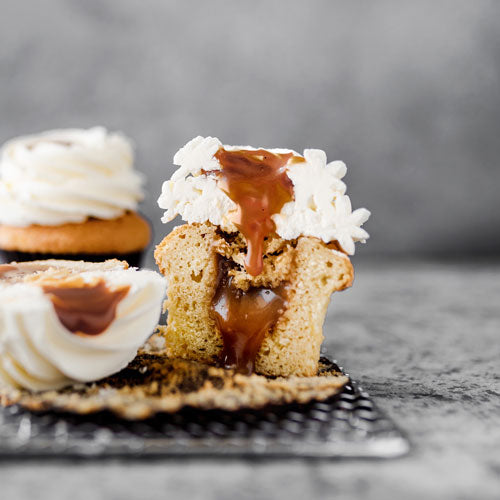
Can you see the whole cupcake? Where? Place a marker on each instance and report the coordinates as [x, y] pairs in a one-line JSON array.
[[71, 194]]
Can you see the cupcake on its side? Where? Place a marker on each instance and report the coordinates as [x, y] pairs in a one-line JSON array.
[[63, 322], [71, 194]]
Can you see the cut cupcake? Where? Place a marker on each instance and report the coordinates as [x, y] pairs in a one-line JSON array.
[[266, 242], [63, 322], [71, 194]]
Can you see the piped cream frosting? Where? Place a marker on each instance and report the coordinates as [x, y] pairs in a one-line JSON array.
[[67, 176], [319, 208]]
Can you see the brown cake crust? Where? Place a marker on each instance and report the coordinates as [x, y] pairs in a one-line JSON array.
[[126, 234], [154, 383], [312, 270]]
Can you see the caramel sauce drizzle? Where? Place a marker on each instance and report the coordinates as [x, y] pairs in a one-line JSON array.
[[243, 318], [257, 182], [87, 308]]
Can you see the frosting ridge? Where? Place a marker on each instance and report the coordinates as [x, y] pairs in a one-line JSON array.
[[67, 176]]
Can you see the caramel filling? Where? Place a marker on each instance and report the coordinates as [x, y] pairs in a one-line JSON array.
[[243, 318], [85, 308], [257, 182]]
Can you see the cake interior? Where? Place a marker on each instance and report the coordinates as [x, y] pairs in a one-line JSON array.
[[304, 272]]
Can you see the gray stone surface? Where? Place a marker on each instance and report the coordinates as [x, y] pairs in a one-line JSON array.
[[423, 338], [405, 92]]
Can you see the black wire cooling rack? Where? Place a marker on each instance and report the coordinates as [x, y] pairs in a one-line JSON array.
[[346, 425]]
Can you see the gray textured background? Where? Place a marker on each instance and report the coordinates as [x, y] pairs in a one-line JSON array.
[[406, 93]]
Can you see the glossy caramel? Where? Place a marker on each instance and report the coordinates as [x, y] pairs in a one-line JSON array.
[[85, 308], [256, 180], [243, 318]]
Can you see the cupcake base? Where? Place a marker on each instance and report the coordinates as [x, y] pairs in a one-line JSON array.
[[94, 240], [134, 259], [305, 271]]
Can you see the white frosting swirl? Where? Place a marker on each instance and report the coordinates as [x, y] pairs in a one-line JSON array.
[[320, 207], [38, 352], [64, 176]]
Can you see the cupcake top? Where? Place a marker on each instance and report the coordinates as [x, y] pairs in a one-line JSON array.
[[63, 321], [67, 176], [302, 195]]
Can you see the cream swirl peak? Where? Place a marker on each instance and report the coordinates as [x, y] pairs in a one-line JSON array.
[[319, 207], [65, 176], [52, 336]]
